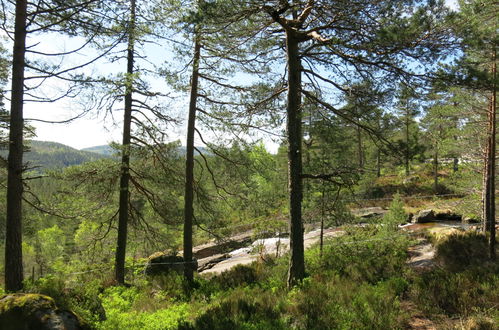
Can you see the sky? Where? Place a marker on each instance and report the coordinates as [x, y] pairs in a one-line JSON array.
[[93, 129]]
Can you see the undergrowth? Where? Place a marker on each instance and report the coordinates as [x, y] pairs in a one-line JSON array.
[[356, 282]]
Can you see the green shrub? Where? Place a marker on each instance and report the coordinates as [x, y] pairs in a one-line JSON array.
[[242, 309], [396, 214], [125, 310], [459, 251], [240, 275], [341, 303], [442, 291], [365, 254], [83, 300]]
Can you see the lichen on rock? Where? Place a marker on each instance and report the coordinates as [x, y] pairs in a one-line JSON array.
[[30, 311]]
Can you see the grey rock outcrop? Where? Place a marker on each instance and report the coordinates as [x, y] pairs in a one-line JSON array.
[[163, 264], [424, 216], [27, 311]]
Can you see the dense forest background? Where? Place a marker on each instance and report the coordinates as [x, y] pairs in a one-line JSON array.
[[375, 105]]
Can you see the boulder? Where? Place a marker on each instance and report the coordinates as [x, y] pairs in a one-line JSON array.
[[467, 219], [448, 215], [23, 311], [160, 264], [424, 216], [411, 179], [370, 212]]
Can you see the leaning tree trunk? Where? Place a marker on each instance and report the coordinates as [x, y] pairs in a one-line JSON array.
[[189, 163], [13, 232], [125, 156], [297, 260]]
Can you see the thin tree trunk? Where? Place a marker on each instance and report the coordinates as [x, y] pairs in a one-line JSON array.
[[407, 151], [323, 215], [13, 235], [359, 147], [455, 164], [492, 166], [189, 162], [485, 190], [297, 260], [125, 156], [378, 163], [435, 169]]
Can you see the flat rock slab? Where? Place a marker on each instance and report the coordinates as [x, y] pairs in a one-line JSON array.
[[262, 247]]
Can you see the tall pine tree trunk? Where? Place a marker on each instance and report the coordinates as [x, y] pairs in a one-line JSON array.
[[407, 148], [125, 156], [359, 147], [435, 169], [297, 260], [13, 235], [378, 163], [189, 162], [492, 165]]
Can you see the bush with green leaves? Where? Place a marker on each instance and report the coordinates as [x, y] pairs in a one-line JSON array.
[[242, 308], [367, 253], [465, 281], [81, 299], [126, 310], [343, 303], [396, 214]]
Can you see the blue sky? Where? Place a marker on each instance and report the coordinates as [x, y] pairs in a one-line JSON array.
[[93, 129]]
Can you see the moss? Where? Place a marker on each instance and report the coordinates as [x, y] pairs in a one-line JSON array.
[[35, 311], [27, 302]]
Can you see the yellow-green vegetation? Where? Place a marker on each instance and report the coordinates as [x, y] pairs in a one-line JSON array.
[[464, 285], [357, 281], [27, 302]]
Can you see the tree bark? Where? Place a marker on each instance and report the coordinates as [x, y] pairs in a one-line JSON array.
[[125, 156], [189, 163], [294, 130], [407, 147], [492, 165], [435, 169], [359, 147], [13, 236], [378, 163]]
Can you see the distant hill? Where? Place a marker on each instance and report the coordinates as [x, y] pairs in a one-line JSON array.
[[106, 150], [42, 155], [51, 155]]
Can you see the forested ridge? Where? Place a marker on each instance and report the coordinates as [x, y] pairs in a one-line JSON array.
[[377, 209], [44, 155]]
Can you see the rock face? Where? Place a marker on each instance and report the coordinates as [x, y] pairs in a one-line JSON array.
[[424, 216], [470, 220], [448, 215], [162, 264], [21, 311]]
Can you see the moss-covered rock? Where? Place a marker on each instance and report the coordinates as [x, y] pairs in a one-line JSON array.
[[20, 311]]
